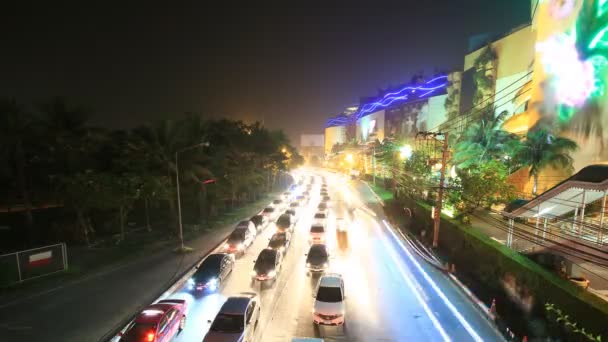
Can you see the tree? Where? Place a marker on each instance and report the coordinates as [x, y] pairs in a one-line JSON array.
[[541, 149], [15, 128], [414, 179], [484, 140], [480, 186]]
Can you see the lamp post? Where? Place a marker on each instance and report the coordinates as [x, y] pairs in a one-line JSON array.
[[179, 202]]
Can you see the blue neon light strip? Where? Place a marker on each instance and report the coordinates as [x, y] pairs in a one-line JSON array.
[[428, 87]]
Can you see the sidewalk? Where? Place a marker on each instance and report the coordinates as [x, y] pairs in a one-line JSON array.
[[86, 309], [596, 274]]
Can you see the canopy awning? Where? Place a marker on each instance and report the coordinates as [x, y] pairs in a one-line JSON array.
[[587, 186]]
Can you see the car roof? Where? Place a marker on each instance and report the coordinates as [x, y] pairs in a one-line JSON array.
[[216, 257], [318, 246], [153, 313], [331, 280], [237, 305]]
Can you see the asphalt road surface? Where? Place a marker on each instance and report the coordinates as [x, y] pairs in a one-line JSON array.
[[391, 294]]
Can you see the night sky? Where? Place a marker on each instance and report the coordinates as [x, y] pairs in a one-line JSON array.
[[291, 66]]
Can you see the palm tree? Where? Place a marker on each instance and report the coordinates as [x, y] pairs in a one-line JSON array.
[[541, 149], [15, 127], [484, 140]]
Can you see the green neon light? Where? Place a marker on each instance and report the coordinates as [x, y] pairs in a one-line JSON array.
[[602, 7], [599, 63], [599, 39]]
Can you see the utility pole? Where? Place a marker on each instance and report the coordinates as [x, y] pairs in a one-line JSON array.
[[444, 160]]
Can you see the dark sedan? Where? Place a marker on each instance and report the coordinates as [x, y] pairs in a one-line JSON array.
[[280, 242], [267, 265], [210, 274], [317, 258]]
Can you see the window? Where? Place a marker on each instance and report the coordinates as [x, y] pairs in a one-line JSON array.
[[162, 325], [329, 294]]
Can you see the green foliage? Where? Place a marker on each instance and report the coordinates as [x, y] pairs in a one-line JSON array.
[[413, 180], [565, 322], [541, 149], [484, 140], [480, 186]]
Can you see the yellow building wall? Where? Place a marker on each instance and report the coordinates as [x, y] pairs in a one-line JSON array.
[[334, 135]]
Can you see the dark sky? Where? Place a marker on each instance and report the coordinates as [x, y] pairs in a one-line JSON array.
[[292, 65]]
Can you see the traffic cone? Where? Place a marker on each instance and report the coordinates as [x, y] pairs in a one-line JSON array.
[[493, 307]]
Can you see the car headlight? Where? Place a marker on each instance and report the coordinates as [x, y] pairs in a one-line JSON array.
[[271, 274], [212, 281], [190, 281]]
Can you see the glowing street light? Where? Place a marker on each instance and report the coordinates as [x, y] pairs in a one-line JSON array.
[[284, 150], [349, 158], [405, 152]]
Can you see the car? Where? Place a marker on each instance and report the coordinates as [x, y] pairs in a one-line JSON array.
[[280, 241], [293, 212], [270, 213], [307, 194], [211, 273], [239, 240], [317, 258], [247, 224], [268, 265], [301, 199], [317, 233], [326, 199], [322, 208], [278, 203], [159, 322], [285, 223], [237, 319], [287, 196], [329, 307], [323, 193], [320, 217], [259, 221]]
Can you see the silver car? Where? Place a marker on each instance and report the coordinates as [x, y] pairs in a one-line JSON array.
[[237, 320]]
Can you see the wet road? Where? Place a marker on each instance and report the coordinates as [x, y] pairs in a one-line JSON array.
[[391, 294]]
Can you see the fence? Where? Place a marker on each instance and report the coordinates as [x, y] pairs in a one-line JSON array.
[[32, 263]]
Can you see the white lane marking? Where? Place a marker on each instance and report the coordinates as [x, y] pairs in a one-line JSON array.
[[411, 284], [440, 293]]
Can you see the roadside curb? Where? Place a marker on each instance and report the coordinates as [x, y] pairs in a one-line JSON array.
[[373, 192]]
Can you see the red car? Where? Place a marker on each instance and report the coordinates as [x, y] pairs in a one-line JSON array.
[[159, 322]]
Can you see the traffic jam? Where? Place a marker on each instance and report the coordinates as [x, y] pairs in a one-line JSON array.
[[238, 317]]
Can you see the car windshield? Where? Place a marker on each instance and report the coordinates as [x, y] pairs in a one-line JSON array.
[[268, 210], [317, 229], [319, 216], [290, 212], [237, 235], [329, 294], [139, 332], [228, 323], [267, 256], [208, 269], [293, 205], [322, 206]]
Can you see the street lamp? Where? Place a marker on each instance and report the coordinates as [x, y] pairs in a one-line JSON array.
[[349, 158], [405, 152], [179, 202]]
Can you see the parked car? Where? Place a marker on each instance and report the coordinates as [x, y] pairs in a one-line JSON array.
[[317, 258], [329, 307], [268, 265], [294, 214], [159, 322], [237, 319], [239, 240], [260, 221], [285, 223], [280, 241], [212, 272]]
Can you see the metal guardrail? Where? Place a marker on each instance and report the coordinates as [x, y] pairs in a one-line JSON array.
[[33, 263]]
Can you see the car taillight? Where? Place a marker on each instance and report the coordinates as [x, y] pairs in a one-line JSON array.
[[150, 336]]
